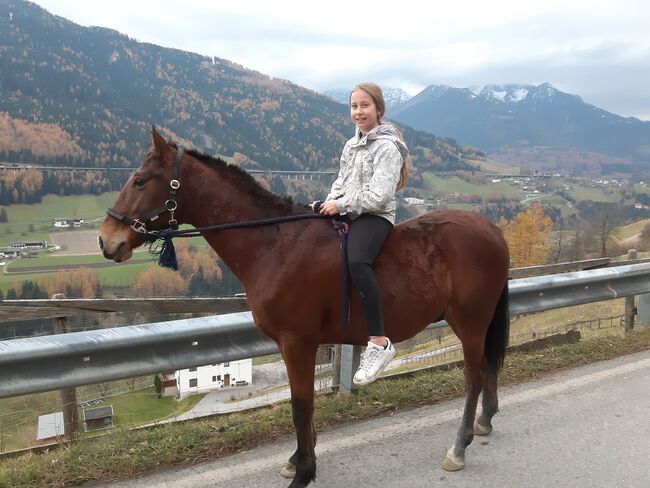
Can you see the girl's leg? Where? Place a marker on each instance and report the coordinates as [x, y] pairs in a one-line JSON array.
[[366, 238]]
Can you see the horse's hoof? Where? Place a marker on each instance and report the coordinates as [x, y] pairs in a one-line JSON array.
[[481, 430], [452, 462], [288, 471]]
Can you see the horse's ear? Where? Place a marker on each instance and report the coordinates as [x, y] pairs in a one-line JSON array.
[[160, 145]]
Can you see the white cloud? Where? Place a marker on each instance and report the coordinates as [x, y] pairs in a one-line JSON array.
[[406, 43]]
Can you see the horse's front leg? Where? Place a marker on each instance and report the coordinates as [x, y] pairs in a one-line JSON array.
[[289, 469], [300, 360]]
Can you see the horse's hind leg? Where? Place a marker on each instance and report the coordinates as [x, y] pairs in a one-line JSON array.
[[490, 402], [455, 458], [300, 360]]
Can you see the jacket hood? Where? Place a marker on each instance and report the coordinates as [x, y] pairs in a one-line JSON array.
[[385, 131]]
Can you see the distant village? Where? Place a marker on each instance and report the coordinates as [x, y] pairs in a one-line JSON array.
[[533, 186]]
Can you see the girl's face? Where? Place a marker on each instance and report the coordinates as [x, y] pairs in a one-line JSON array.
[[363, 111]]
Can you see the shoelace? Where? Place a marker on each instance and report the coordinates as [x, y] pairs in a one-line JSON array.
[[370, 357]]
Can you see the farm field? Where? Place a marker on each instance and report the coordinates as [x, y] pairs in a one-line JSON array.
[[490, 166], [45, 267], [631, 230], [594, 194], [642, 188], [456, 185], [40, 215]]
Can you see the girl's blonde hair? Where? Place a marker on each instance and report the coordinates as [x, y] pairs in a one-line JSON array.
[[377, 96]]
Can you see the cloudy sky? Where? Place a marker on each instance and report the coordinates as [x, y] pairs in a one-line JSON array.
[[597, 49]]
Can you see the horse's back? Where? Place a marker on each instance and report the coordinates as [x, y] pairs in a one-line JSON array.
[[455, 249], [447, 232]]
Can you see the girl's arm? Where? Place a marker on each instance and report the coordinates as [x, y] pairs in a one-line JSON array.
[[335, 191]]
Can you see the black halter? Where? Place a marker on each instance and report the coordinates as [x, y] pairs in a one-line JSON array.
[[140, 224]]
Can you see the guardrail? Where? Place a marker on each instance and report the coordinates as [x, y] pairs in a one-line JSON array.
[[54, 362]]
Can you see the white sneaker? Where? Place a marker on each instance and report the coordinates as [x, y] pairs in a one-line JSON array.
[[373, 362]]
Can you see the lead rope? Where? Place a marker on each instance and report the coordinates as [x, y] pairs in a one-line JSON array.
[[343, 228], [167, 253]]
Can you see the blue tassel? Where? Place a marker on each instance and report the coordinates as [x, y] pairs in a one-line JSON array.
[[167, 258]]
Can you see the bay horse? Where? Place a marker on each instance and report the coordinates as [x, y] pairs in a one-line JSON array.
[[446, 264]]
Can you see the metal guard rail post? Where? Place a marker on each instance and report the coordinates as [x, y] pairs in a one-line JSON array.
[[47, 363]]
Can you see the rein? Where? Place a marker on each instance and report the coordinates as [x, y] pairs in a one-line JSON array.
[[167, 253]]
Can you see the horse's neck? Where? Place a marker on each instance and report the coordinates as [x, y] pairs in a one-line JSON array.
[[211, 200]]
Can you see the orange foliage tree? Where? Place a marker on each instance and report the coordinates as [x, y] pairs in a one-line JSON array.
[[528, 236], [190, 260], [159, 282], [78, 283], [41, 140]]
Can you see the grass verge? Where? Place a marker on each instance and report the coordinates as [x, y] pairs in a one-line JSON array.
[[126, 453]]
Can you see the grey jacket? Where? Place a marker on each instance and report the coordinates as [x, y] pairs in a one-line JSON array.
[[370, 170]]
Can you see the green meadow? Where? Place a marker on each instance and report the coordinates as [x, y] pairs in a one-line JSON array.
[[455, 184], [630, 230], [38, 216], [579, 193]]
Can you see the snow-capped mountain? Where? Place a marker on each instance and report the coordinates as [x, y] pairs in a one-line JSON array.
[[394, 97], [492, 117]]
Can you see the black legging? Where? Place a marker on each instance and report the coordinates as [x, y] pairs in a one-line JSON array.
[[367, 235]]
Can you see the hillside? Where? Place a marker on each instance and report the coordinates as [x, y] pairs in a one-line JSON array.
[[88, 96]]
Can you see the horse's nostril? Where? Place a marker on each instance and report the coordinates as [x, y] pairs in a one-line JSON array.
[[100, 243]]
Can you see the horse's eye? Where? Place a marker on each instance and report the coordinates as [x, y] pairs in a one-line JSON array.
[[139, 183]]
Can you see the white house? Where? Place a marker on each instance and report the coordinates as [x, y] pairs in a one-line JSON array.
[[50, 427], [67, 223], [414, 201], [205, 378]]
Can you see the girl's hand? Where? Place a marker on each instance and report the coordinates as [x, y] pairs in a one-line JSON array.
[[329, 208]]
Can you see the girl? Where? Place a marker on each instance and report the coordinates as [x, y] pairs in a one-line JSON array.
[[373, 167]]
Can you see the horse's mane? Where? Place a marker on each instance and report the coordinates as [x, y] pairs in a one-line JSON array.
[[247, 183]]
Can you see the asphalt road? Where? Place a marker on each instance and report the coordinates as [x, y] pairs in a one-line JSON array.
[[586, 427]]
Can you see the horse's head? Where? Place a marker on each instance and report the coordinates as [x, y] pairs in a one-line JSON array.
[[146, 202]]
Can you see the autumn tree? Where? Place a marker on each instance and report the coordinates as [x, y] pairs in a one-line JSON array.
[[159, 282], [528, 236], [604, 229], [78, 283], [559, 246]]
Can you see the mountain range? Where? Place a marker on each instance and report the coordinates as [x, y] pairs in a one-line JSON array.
[[519, 119], [394, 97], [89, 95], [526, 125]]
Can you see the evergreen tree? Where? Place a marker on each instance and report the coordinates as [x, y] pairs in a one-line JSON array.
[[30, 290], [198, 284], [3, 215], [11, 294]]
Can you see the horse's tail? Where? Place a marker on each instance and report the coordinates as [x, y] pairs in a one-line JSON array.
[[496, 339]]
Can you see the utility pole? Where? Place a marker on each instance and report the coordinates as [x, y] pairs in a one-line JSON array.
[[68, 395], [630, 309]]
